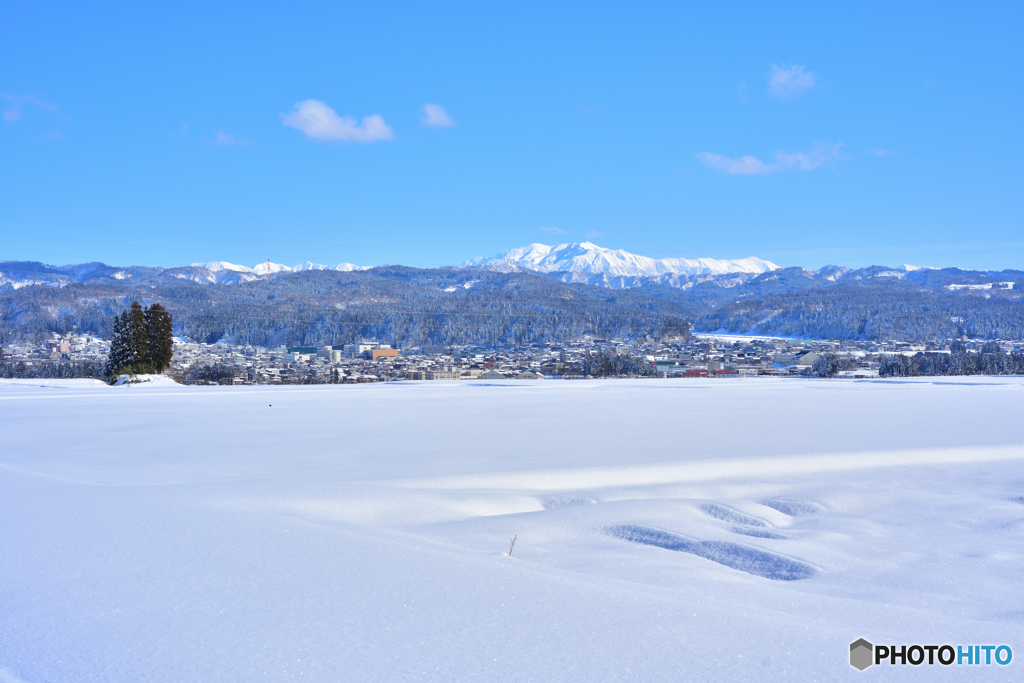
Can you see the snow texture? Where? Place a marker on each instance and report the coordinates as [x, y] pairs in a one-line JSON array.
[[687, 530]]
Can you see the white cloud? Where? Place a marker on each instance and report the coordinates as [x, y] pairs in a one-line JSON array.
[[435, 116], [790, 81], [223, 138], [13, 113], [554, 231], [743, 166], [820, 155], [593, 233], [320, 122]]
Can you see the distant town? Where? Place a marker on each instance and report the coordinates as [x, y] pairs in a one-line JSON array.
[[700, 356]]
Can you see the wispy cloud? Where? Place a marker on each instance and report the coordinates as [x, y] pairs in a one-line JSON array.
[[885, 153], [13, 113], [787, 82], [52, 135], [745, 165], [820, 155], [320, 122], [554, 231], [435, 116], [593, 233], [741, 91], [222, 138]]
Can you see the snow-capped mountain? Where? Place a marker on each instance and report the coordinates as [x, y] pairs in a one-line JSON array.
[[586, 257], [231, 273]]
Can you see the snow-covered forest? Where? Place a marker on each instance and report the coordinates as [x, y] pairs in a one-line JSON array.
[[409, 306]]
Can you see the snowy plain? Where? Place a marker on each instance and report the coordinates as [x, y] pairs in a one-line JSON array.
[[697, 530]]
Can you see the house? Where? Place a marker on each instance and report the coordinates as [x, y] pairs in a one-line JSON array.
[[806, 359], [491, 373]]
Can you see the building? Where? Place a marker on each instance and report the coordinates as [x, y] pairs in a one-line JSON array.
[[304, 350], [443, 373], [383, 353], [363, 349]]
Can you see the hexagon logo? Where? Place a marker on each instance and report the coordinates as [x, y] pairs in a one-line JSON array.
[[862, 654]]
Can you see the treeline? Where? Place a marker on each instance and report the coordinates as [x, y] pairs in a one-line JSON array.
[[50, 370], [398, 305], [989, 361]]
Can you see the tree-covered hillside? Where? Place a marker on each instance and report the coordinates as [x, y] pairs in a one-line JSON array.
[[404, 306], [491, 306]]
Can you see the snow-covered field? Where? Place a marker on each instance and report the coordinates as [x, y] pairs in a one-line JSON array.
[[666, 529]]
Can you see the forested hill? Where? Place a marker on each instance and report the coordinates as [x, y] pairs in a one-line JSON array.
[[404, 306], [871, 303], [480, 305]]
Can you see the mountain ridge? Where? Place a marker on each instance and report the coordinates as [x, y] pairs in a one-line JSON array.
[[587, 257], [511, 304]]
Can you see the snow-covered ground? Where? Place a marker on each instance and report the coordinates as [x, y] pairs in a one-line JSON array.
[[666, 529]]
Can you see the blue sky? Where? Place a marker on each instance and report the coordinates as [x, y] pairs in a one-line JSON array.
[[803, 133]]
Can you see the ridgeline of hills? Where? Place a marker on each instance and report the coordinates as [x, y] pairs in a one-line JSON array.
[[404, 306], [570, 291]]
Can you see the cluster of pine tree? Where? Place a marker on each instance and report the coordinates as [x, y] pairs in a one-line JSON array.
[[610, 364], [69, 370], [829, 365], [990, 361], [142, 342]]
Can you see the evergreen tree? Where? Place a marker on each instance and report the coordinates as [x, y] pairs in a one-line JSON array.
[[120, 347], [138, 340], [827, 365], [161, 340]]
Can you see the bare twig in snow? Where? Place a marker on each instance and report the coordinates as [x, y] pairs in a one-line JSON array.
[[512, 544]]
